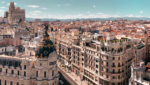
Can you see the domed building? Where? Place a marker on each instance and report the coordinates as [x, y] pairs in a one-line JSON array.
[[40, 69], [45, 65]]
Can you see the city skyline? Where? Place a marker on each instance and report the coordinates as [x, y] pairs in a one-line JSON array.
[[71, 9], [101, 51]]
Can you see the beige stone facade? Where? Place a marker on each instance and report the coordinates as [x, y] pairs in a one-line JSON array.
[[28, 71]]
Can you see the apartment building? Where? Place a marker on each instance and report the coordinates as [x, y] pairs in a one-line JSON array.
[[104, 60]]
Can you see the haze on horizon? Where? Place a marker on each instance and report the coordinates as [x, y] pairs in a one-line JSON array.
[[71, 9]]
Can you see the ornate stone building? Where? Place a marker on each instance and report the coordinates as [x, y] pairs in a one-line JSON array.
[[15, 14], [103, 60], [31, 70]]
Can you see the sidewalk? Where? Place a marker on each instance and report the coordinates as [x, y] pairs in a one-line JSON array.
[[73, 76]]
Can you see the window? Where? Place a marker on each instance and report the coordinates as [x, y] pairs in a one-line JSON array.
[[82, 59], [113, 58], [24, 66], [18, 73], [45, 74], [0, 82], [119, 65], [36, 73], [113, 64], [5, 83], [52, 63], [96, 72], [12, 71], [96, 60], [107, 63], [118, 77], [25, 74], [96, 66], [107, 57], [11, 83], [122, 64], [107, 76], [118, 58], [17, 83], [0, 69], [107, 70], [102, 68], [119, 71], [6, 70], [113, 83], [113, 71], [52, 73], [113, 77]]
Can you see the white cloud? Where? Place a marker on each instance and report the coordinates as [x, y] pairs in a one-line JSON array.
[[88, 12], [2, 7], [33, 6], [58, 5], [2, 12], [40, 14], [99, 13], [67, 4], [94, 6], [36, 14], [141, 12], [44, 8], [3, 2], [131, 15]]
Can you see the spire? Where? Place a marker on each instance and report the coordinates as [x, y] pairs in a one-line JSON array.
[[11, 7], [46, 46]]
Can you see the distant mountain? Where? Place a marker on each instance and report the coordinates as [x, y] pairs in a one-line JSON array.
[[84, 19]]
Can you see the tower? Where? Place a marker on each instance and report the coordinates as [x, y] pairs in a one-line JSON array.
[[11, 7], [15, 15], [46, 63]]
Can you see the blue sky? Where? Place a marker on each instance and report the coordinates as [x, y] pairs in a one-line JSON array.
[[80, 8]]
